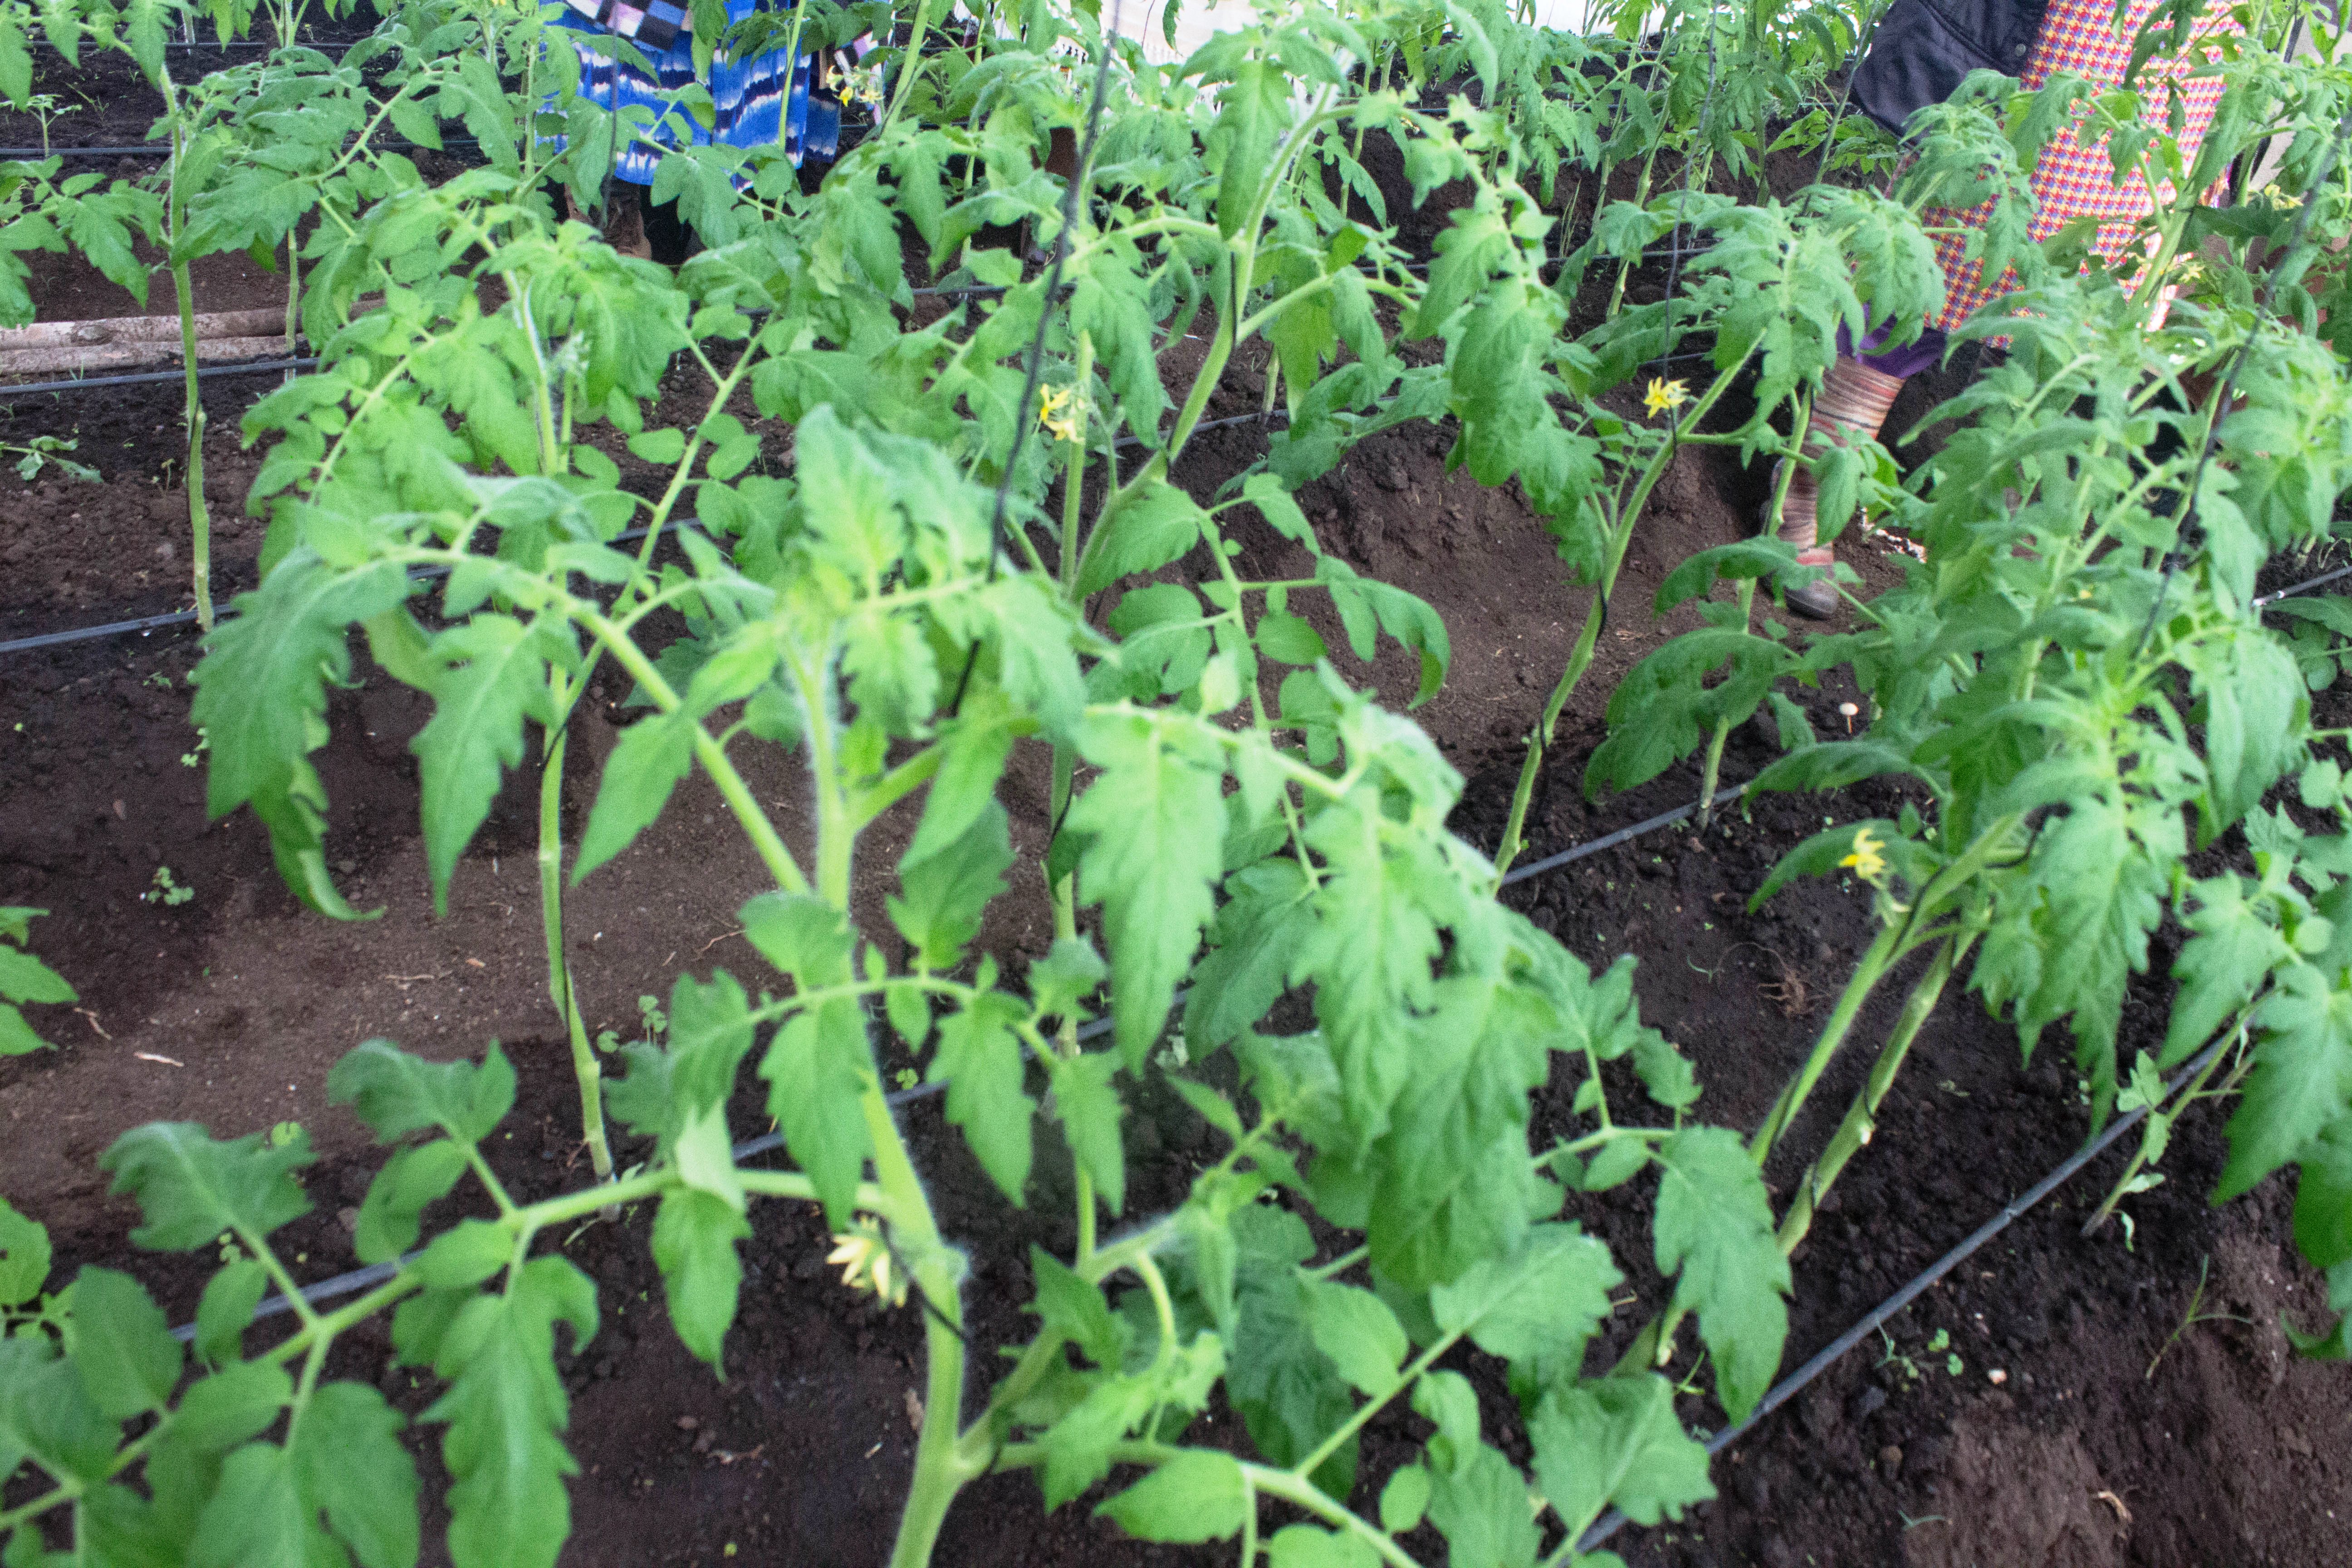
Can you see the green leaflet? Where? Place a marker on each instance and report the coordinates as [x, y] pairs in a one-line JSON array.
[[1074, 1311], [818, 1066], [1452, 1180], [392, 1213], [1159, 525], [256, 1514], [1077, 1445], [398, 1094], [44, 1416], [1476, 1496], [944, 895], [261, 700], [1146, 862], [2070, 937], [1090, 1112], [505, 1409], [1616, 1442], [1256, 943], [647, 764], [225, 1310], [2256, 711], [490, 674], [1714, 1227], [1368, 953], [1197, 1496], [1304, 1546], [191, 1187], [1253, 112], [2323, 1197], [1288, 1391], [2220, 967], [694, 1240], [2300, 1082], [350, 1464], [23, 1256], [1537, 1308], [980, 1060], [1356, 1330], [121, 1345]]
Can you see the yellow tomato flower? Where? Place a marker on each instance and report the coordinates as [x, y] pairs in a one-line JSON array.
[[1663, 395], [1061, 412], [1867, 862], [866, 1265]]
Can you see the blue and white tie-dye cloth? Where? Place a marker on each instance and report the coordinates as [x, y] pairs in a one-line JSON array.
[[750, 96]]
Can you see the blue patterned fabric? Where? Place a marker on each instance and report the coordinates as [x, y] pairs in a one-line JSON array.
[[750, 96]]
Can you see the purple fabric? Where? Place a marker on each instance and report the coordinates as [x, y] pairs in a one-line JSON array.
[[1902, 364]]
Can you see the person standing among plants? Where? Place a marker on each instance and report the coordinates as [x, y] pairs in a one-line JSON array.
[[1921, 54], [759, 103]]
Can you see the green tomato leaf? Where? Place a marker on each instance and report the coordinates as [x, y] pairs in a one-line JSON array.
[[490, 674], [944, 895], [23, 1256], [1196, 1496], [1155, 849], [1714, 1227], [411, 1180], [980, 1060], [225, 1310], [818, 1066], [646, 764], [349, 1465], [121, 1345], [505, 1409], [1358, 1331], [694, 1240], [192, 1187], [1090, 1111], [2300, 1082], [396, 1093], [1616, 1441]]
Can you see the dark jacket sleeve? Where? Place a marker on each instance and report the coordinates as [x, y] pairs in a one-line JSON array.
[[1924, 48]]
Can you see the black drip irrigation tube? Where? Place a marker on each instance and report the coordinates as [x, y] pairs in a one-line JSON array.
[[1789, 1386], [150, 377], [154, 150], [147, 625]]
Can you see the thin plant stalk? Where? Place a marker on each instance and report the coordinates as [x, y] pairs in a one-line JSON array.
[[200, 524], [1641, 199], [1855, 1133], [1773, 515], [560, 989], [1580, 657], [908, 68], [1883, 950], [1895, 939], [2152, 1144], [293, 291]]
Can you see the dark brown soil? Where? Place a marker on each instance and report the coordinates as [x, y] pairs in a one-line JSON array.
[[228, 1009]]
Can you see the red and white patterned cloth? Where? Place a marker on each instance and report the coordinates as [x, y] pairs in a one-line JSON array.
[[2073, 180]]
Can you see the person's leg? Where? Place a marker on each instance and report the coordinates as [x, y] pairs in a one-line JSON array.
[[1855, 395], [668, 239]]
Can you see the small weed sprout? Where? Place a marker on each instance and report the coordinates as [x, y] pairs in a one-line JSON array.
[[165, 889]]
